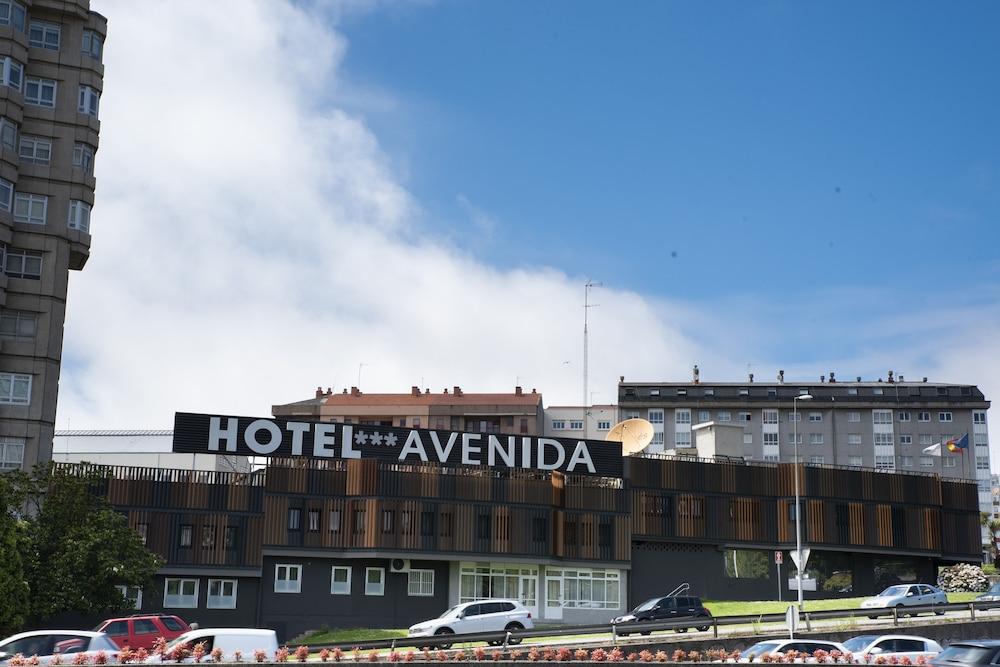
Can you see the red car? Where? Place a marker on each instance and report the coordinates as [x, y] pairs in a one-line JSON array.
[[141, 631]]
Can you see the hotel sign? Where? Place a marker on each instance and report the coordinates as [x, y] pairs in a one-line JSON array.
[[252, 436]]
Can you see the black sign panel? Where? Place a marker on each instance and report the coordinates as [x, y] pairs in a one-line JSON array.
[[253, 436]]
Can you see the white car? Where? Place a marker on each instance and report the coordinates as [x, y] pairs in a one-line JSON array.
[[228, 640], [907, 595], [889, 646], [47, 643], [476, 617], [780, 647]]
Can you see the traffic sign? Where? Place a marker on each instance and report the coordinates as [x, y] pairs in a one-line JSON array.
[[805, 558], [792, 619], [779, 557]]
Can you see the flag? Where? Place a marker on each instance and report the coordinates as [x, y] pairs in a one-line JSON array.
[[958, 444], [933, 450]]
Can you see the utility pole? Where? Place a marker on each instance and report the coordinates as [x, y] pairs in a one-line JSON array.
[[586, 310]]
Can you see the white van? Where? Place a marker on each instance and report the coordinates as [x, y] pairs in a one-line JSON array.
[[229, 640]]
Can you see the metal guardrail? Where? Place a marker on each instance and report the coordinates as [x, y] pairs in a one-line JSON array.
[[507, 639]]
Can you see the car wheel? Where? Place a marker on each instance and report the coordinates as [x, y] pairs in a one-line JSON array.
[[514, 627], [941, 612], [442, 632], [680, 629], [900, 612]]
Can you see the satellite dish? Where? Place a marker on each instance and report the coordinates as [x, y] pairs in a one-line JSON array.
[[634, 434]]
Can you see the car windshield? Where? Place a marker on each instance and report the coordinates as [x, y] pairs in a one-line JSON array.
[[994, 589], [855, 644], [647, 605], [449, 612], [761, 648], [102, 643], [893, 591], [965, 654], [183, 639]]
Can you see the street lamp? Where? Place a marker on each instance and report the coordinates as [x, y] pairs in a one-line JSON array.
[[798, 514]]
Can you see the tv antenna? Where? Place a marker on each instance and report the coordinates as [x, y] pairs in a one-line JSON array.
[[586, 310]]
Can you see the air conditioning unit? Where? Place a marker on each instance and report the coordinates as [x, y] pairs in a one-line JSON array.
[[399, 565]]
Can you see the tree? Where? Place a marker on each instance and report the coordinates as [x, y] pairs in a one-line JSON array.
[[993, 526], [81, 548], [13, 543]]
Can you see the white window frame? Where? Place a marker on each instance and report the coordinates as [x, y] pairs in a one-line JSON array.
[[815, 416], [575, 425], [88, 101], [35, 146], [90, 39], [816, 459], [47, 30], [854, 417], [926, 439], [856, 461], [748, 438], [283, 583], [579, 585], [604, 426], [180, 600], [10, 394], [815, 438], [24, 256], [6, 194], [79, 215], [794, 417], [422, 585], [923, 416], [978, 417], [8, 446], [375, 588], [657, 438], [30, 209], [881, 416], [704, 416], [883, 439], [682, 416], [768, 416], [221, 600], [13, 14], [905, 439], [926, 461], [558, 424], [792, 437], [8, 68], [982, 463], [945, 417], [854, 439], [655, 416], [949, 462], [39, 99], [904, 415], [906, 461], [682, 439], [724, 416], [340, 587], [8, 133], [136, 599]]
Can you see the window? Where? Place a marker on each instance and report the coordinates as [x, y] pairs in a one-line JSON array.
[[312, 516], [11, 72], [769, 416], [852, 391], [682, 416], [982, 463], [854, 438], [745, 417], [184, 539], [340, 580], [854, 417], [723, 416], [704, 416], [944, 416], [180, 593], [815, 416], [906, 461], [30, 208], [923, 416], [294, 518], [88, 101], [926, 439], [79, 215], [794, 438], [949, 462], [6, 194], [374, 581], [655, 416], [8, 133], [748, 438], [881, 416], [927, 461], [92, 44], [682, 439], [770, 458], [479, 581], [603, 425], [770, 439], [416, 422], [133, 596], [977, 438], [856, 461], [483, 526], [359, 522], [229, 537], [904, 416], [794, 417], [558, 424], [287, 578], [747, 564], [23, 264], [680, 392], [207, 537], [334, 521], [587, 588], [744, 391], [43, 35], [815, 459], [657, 438], [12, 14], [40, 92], [885, 463], [772, 392], [978, 417], [35, 150], [539, 529], [709, 392], [815, 438], [221, 594], [83, 157], [906, 439], [420, 583], [15, 388], [427, 523], [11, 452], [143, 530], [17, 324], [883, 439], [877, 391], [388, 521], [576, 425]]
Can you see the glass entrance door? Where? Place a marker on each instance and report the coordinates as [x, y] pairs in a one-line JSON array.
[[554, 598]]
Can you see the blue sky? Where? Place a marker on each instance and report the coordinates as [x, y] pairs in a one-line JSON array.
[[707, 152]]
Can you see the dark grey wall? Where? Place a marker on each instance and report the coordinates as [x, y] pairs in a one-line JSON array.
[[291, 614], [244, 616]]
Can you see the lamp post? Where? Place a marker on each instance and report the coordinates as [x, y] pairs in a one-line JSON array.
[[798, 513]]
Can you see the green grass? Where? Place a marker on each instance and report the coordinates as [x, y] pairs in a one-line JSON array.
[[743, 608], [347, 635]]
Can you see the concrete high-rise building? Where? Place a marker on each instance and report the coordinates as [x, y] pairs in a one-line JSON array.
[[51, 78], [885, 424]]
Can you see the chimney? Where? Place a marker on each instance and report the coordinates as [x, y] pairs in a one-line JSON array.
[[414, 390], [329, 392], [901, 378], [925, 378], [518, 391], [822, 379], [345, 390], [781, 377], [859, 378], [427, 390], [533, 391], [355, 391], [319, 392], [832, 379], [446, 390], [751, 378], [695, 373], [458, 390], [891, 380]]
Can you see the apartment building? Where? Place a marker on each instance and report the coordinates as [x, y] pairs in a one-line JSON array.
[[885, 424], [573, 421], [519, 412], [51, 78]]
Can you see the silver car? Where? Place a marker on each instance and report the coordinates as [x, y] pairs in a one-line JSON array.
[[47, 643], [907, 595]]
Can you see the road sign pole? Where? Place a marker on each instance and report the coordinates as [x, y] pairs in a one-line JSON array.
[[779, 581]]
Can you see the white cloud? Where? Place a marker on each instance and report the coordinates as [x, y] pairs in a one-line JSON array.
[[251, 241]]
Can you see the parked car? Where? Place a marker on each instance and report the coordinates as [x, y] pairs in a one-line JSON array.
[[980, 652], [907, 595], [780, 647], [475, 617], [47, 643], [141, 631], [228, 640], [992, 594], [663, 609], [898, 646]]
